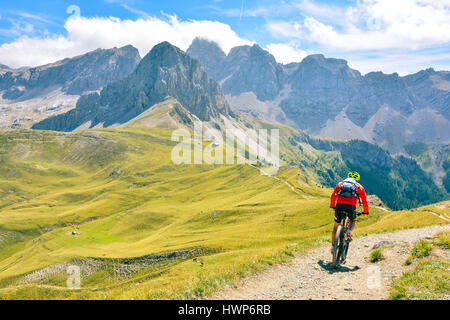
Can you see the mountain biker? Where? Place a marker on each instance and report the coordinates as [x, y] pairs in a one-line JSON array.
[[343, 201]]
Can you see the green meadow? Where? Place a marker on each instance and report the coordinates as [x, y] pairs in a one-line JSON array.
[[147, 228]]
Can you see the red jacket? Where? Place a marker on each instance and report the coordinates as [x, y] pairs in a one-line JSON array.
[[350, 200]]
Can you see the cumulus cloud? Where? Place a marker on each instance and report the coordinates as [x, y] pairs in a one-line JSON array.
[[86, 34], [286, 52], [375, 25]]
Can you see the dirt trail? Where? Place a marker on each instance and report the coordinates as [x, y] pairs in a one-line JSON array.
[[311, 275]]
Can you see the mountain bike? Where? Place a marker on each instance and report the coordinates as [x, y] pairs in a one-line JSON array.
[[342, 242]]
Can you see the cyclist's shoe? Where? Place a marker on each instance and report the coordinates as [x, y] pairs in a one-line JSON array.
[[349, 235], [332, 249]]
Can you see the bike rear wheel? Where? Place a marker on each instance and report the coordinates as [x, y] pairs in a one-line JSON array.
[[338, 246], [343, 257]]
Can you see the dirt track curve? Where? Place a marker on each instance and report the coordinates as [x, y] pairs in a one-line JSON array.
[[311, 275]]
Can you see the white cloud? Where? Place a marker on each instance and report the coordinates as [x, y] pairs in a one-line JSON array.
[[85, 34], [401, 36], [17, 28], [285, 29], [286, 53], [326, 12], [376, 24]]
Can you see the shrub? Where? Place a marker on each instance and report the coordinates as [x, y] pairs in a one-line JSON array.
[[376, 255], [408, 261], [421, 249]]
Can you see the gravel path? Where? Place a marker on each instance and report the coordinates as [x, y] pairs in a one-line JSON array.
[[311, 275]]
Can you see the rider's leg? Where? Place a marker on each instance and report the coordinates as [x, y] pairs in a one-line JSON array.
[[352, 217], [352, 224], [333, 234], [350, 229]]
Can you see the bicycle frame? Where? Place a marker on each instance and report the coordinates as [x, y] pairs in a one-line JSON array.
[[347, 220]]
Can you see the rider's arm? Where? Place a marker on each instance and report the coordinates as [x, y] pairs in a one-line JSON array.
[[362, 194], [334, 196]]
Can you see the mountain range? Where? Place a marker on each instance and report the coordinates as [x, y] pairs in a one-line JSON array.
[[32, 94], [164, 72], [322, 96], [327, 98], [169, 88]]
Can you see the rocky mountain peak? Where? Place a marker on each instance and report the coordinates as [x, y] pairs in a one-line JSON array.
[[250, 68], [242, 51], [209, 54], [202, 46], [256, 52], [333, 65]]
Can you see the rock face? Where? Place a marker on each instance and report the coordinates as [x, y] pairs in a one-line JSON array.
[[210, 52], [320, 89], [245, 68], [164, 71], [325, 97], [74, 76]]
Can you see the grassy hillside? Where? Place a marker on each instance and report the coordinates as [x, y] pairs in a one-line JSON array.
[[146, 228]]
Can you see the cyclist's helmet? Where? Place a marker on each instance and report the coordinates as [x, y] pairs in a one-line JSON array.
[[353, 174]]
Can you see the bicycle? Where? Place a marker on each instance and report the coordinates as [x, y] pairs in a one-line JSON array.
[[342, 242]]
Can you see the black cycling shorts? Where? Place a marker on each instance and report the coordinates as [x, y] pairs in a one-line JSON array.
[[343, 210]]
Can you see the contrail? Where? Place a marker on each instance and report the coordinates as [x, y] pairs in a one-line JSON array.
[[242, 10]]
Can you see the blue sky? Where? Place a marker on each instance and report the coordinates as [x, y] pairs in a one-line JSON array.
[[401, 36]]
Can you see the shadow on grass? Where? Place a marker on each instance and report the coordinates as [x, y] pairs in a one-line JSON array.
[[328, 266]]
